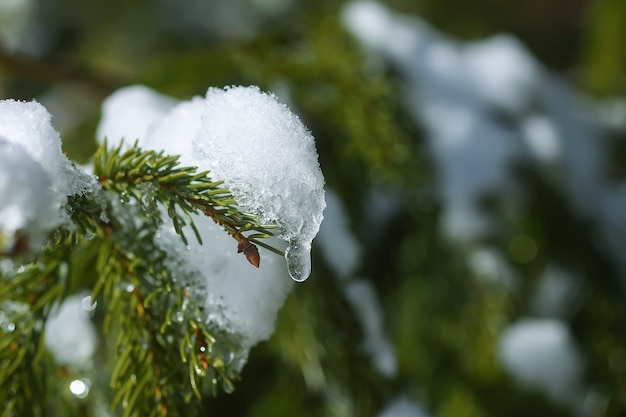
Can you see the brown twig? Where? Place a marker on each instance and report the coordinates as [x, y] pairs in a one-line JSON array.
[[244, 245]]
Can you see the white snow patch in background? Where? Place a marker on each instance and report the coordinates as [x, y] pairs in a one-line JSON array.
[[342, 252], [558, 292], [449, 92], [541, 354], [70, 334], [36, 177], [460, 91], [542, 138], [364, 300], [490, 265], [269, 162], [403, 407], [339, 247]]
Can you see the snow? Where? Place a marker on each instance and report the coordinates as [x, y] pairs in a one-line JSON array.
[[449, 81], [266, 156], [486, 106], [502, 73], [541, 354], [167, 134], [269, 162], [267, 159], [364, 300], [340, 249], [490, 265], [241, 300], [28, 124], [35, 176], [542, 138], [70, 334], [559, 292], [129, 113], [342, 252], [24, 195]]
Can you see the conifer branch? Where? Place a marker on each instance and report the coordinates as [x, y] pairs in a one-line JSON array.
[[151, 177], [160, 330], [168, 355], [27, 297]]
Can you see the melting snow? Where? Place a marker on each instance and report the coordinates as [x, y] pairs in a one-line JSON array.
[[269, 162]]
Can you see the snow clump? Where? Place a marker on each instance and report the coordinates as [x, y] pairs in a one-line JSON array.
[[267, 159], [245, 137], [35, 176], [541, 354]]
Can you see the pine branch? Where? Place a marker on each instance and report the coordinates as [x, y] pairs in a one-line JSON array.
[[26, 300], [168, 356], [163, 342], [153, 178]]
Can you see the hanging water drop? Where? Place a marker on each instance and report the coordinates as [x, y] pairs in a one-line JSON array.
[[298, 256]]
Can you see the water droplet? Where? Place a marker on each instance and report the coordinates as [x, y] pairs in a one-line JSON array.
[[104, 217], [8, 327], [87, 305], [127, 286], [178, 317], [298, 256], [199, 371], [80, 387], [202, 349]]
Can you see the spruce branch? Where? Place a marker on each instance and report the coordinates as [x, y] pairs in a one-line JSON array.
[[151, 178], [163, 342], [167, 354], [26, 299]]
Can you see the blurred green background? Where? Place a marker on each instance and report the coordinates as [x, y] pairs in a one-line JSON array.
[[442, 317]]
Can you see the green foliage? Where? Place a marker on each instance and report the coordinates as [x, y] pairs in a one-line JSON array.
[[166, 356], [443, 318], [152, 178], [605, 56]]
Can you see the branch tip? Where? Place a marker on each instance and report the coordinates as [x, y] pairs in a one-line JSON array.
[[251, 252]]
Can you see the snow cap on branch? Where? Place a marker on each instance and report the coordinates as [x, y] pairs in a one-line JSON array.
[[35, 176], [245, 137], [268, 161]]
